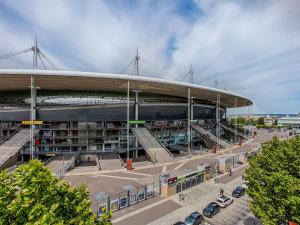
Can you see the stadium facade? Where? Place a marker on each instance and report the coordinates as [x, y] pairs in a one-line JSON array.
[[100, 112]]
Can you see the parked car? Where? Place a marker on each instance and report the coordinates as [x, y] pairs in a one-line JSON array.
[[194, 218], [211, 209], [238, 192], [179, 223], [224, 201]]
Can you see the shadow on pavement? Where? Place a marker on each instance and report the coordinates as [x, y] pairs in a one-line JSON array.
[[252, 221]]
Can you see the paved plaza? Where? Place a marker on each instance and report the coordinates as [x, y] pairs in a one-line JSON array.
[[169, 210]]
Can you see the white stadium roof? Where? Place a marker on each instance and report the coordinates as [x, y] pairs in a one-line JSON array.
[[19, 79]]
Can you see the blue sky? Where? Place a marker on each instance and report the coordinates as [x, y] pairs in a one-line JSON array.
[[251, 47]]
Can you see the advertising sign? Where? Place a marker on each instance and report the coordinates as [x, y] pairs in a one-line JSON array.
[[123, 202], [114, 205], [141, 196], [101, 208], [133, 198]]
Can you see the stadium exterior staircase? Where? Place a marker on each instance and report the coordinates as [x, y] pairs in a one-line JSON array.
[[153, 148], [236, 132], [110, 161], [10, 147], [59, 165], [213, 138]]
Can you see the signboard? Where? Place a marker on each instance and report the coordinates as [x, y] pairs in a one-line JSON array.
[[172, 180], [123, 202], [137, 121], [133, 198], [34, 122], [193, 121], [114, 205], [101, 208]]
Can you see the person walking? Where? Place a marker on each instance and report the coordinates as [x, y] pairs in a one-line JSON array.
[[221, 192]]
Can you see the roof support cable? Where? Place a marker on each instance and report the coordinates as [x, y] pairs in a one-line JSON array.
[[158, 69], [128, 66], [42, 61], [15, 53], [48, 60]]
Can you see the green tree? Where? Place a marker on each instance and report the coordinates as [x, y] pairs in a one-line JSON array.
[[32, 195], [260, 121], [274, 182]]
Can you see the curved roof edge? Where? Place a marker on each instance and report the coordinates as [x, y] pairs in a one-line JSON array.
[[124, 77]]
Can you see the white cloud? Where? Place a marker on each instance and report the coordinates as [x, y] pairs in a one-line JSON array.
[[252, 47]]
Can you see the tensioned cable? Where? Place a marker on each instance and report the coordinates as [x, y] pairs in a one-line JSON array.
[[42, 61], [43, 55], [156, 67], [15, 53], [128, 66]]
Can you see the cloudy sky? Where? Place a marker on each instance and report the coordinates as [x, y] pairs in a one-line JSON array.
[[251, 47]]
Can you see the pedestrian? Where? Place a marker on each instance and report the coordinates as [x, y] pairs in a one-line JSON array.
[[221, 192], [230, 173]]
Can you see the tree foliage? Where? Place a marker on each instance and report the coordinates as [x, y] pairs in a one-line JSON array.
[[260, 121], [31, 195], [274, 182]]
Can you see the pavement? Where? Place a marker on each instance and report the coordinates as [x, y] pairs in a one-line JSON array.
[[199, 196], [112, 182]]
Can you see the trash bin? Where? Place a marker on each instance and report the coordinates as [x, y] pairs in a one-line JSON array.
[[129, 164]]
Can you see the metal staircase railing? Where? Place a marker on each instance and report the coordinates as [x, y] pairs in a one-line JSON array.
[[156, 151], [211, 136], [233, 131]]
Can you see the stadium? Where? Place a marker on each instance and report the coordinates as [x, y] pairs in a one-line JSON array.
[[112, 116]]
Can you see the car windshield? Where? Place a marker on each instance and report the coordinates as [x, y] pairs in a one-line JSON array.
[[189, 219], [220, 201], [209, 208]]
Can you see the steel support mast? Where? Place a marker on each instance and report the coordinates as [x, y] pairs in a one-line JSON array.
[[33, 102]]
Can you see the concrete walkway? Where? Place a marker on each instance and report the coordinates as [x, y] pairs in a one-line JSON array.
[[196, 199]]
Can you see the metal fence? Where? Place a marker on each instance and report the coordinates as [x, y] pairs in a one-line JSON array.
[[130, 196]]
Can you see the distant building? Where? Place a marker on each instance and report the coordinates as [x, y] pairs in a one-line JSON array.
[[290, 122], [269, 121]]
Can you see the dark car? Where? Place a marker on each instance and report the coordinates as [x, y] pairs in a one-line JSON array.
[[179, 223], [212, 209], [194, 218], [238, 192]]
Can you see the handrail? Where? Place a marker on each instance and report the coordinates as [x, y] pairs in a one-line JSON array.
[[8, 137], [167, 150], [65, 168], [122, 162]]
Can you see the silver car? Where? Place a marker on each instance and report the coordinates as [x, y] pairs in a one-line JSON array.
[[224, 201]]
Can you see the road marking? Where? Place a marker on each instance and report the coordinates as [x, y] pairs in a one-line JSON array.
[[142, 174], [118, 177], [180, 165], [164, 169], [140, 210]]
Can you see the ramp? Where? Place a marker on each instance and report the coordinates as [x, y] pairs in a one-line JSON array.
[[110, 161], [59, 165], [234, 131], [10, 148], [213, 138], [155, 150]]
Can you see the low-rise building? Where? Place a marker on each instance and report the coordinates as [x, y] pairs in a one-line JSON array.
[[289, 122]]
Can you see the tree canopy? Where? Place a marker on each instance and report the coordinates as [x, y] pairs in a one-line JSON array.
[[274, 182], [32, 195]]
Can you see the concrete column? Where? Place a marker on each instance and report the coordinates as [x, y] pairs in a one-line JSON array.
[[189, 123], [128, 119], [32, 116], [136, 104]]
